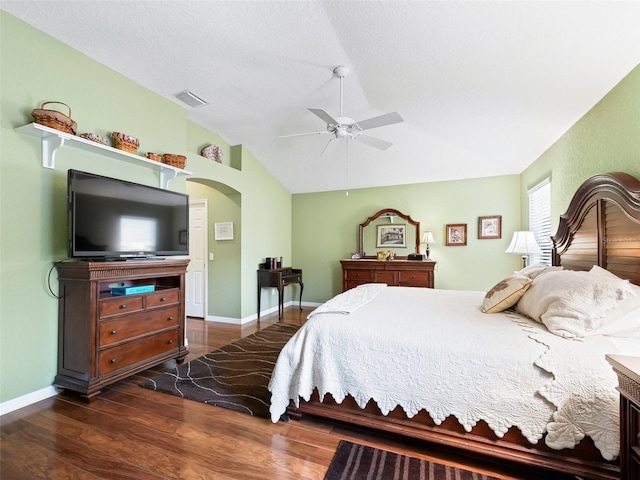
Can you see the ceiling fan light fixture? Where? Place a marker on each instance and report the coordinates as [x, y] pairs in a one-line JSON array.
[[345, 127]]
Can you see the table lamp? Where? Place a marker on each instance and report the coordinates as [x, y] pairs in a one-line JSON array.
[[524, 243], [427, 238]]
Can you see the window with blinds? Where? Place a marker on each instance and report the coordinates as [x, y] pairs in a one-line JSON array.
[[540, 220]]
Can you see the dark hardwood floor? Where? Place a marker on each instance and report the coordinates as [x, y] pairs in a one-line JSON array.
[[134, 433]]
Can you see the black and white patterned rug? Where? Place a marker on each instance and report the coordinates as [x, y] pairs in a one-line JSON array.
[[235, 376]]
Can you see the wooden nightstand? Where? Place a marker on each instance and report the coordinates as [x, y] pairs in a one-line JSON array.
[[628, 371]]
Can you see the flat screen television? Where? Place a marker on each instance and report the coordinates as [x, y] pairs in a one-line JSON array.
[[116, 219]]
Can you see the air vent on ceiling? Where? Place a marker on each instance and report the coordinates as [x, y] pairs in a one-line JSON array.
[[190, 99]]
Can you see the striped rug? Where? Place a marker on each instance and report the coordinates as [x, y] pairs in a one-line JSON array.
[[235, 376], [358, 462]]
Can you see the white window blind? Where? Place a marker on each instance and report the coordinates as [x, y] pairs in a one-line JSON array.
[[540, 219]]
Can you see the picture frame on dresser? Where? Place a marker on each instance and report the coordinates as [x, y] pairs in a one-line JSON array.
[[391, 236]]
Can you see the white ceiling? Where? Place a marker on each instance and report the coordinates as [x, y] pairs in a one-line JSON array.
[[484, 87]]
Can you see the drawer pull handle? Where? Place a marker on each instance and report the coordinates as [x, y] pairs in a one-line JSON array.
[[163, 299], [123, 306], [113, 332], [170, 342], [170, 318], [114, 360]]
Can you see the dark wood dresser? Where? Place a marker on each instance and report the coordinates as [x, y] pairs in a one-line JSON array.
[[103, 338], [403, 273], [628, 370]]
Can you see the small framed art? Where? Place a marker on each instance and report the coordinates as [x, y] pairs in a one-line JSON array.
[[392, 236], [223, 230], [490, 227], [456, 234]]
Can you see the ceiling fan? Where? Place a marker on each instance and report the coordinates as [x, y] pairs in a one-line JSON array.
[[345, 127]]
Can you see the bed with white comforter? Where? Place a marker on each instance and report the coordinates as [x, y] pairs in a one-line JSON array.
[[435, 350]]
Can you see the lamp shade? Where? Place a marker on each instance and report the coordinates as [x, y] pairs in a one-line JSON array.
[[524, 243], [427, 237]]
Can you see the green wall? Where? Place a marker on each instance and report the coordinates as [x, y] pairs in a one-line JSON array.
[[33, 199], [606, 139], [326, 230]]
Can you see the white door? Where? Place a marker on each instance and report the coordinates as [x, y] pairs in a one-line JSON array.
[[196, 278]]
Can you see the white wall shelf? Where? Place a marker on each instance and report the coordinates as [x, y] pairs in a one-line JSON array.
[[52, 140]]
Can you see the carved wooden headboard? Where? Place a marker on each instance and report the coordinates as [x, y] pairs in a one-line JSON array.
[[602, 227]]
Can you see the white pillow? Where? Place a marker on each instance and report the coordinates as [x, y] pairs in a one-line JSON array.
[[624, 320], [532, 271], [505, 293], [572, 304]]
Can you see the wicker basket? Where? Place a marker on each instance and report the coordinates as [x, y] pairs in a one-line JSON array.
[[125, 142], [154, 156], [55, 119], [174, 160]]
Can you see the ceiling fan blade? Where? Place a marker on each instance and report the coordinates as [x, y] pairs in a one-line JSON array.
[[301, 134], [373, 142], [328, 119], [381, 121]]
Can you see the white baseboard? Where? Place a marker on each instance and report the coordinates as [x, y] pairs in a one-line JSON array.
[[26, 400], [251, 318]]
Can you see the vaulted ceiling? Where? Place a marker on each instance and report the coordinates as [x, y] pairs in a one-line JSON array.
[[484, 87]]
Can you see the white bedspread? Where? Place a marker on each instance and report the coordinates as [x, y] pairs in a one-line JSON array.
[[433, 350]]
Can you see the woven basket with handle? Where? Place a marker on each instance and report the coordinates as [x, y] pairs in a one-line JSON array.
[[55, 119]]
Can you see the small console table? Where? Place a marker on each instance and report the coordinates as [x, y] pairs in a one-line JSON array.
[[279, 278]]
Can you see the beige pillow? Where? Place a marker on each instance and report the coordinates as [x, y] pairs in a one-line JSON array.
[[532, 271], [572, 304], [505, 293]]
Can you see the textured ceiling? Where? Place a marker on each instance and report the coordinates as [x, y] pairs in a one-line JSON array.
[[484, 87]]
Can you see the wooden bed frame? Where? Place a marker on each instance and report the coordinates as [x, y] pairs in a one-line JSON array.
[[601, 227]]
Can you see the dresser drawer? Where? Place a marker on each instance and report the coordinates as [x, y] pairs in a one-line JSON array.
[[162, 298], [122, 329], [121, 305], [386, 276], [358, 275], [413, 277], [115, 358]]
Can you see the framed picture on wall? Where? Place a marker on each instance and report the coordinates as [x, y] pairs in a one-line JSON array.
[[456, 234], [490, 227], [223, 230]]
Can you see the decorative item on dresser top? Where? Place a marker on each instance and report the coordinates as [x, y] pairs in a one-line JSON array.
[[628, 371], [104, 338], [442, 366], [427, 239]]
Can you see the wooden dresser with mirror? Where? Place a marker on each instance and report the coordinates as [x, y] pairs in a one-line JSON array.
[[393, 231]]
